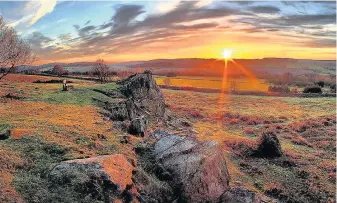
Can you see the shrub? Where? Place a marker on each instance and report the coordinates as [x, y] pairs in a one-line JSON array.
[[320, 83], [333, 88], [312, 90], [280, 89], [268, 145]]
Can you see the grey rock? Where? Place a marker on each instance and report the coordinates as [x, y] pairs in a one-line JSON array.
[[198, 168], [141, 98], [103, 178], [138, 126], [242, 195], [146, 95]]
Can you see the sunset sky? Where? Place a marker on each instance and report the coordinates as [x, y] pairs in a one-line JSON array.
[[68, 31]]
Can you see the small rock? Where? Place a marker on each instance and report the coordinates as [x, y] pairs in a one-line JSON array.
[[138, 126], [268, 146], [242, 195]]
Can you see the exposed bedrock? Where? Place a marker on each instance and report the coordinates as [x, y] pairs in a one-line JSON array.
[[140, 100]]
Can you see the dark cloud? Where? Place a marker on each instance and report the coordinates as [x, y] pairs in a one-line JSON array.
[[264, 9], [196, 26], [243, 2], [37, 39], [76, 27], [125, 14], [322, 43], [106, 25], [86, 30], [87, 22], [292, 20], [184, 12]]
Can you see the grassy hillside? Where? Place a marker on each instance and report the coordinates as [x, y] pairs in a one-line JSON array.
[[49, 125]]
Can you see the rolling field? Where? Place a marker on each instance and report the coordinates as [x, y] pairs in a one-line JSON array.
[[241, 84]]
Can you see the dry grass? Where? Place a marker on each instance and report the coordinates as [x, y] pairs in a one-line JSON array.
[[61, 119], [306, 128], [241, 84]]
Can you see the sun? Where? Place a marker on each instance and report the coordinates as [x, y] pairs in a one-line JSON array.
[[227, 53]]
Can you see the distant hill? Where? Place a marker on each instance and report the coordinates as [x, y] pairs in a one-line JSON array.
[[212, 67]]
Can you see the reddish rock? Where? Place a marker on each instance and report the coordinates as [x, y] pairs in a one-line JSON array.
[[103, 178]]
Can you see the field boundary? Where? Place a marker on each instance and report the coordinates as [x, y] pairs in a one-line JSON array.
[[255, 93]]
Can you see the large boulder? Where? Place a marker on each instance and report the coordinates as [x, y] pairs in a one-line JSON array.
[[140, 100], [103, 178], [197, 169], [145, 94]]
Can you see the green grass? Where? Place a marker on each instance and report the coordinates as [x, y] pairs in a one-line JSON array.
[[80, 96], [4, 128], [31, 180]]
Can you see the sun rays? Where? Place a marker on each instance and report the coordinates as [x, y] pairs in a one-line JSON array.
[[227, 56]]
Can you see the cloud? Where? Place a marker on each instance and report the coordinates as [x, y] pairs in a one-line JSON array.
[[322, 43], [86, 30], [24, 19], [67, 36], [196, 26], [264, 9], [87, 22], [76, 27], [38, 39], [45, 7], [125, 14]]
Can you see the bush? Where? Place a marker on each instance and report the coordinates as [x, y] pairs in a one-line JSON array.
[[320, 83], [312, 90], [281, 89], [333, 88], [268, 145]]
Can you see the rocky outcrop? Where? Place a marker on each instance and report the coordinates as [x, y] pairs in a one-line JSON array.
[[268, 146], [103, 178], [140, 100], [196, 169], [145, 94]]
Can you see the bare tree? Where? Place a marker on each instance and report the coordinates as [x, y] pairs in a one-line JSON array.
[[58, 70], [14, 51], [101, 69]]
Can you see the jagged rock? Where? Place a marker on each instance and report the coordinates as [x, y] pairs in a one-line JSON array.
[[151, 189], [103, 178], [5, 132], [117, 111], [121, 125], [145, 94], [138, 126], [242, 195], [198, 169], [268, 146], [141, 98]]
